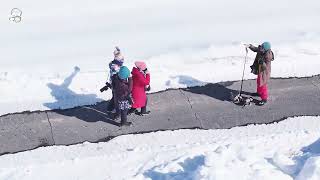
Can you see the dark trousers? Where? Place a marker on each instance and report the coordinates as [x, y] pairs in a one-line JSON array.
[[123, 114], [144, 108], [111, 104]]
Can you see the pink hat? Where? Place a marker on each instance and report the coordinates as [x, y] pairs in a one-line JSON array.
[[141, 65]]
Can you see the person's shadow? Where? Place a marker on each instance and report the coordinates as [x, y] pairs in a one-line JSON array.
[[66, 98], [219, 91]]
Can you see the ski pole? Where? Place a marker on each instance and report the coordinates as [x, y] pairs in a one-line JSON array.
[[244, 67]]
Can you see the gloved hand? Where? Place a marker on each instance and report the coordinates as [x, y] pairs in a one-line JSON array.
[[147, 88], [108, 85], [146, 71]]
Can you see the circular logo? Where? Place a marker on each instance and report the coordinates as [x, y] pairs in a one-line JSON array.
[[15, 15]]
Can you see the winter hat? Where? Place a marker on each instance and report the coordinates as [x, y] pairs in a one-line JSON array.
[[141, 65], [117, 54], [266, 46], [124, 72], [116, 51]]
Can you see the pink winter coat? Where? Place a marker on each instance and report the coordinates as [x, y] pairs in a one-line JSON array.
[[139, 81]]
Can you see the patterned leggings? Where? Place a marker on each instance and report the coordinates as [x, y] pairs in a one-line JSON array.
[[124, 106]]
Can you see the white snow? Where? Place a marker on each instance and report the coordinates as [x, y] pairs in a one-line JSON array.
[[281, 151], [57, 57], [184, 43]]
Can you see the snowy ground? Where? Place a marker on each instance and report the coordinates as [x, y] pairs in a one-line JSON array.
[[57, 58], [184, 43], [281, 151]]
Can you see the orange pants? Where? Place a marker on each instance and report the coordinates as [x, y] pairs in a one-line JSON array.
[[262, 90]]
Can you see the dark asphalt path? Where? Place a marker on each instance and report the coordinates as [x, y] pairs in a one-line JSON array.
[[206, 107]]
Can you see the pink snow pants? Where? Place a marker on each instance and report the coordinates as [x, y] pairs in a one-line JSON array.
[[262, 90]]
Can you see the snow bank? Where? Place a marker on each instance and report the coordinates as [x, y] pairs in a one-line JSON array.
[[281, 151], [311, 169]]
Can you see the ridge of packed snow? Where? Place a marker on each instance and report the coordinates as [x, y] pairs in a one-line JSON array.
[[280, 151]]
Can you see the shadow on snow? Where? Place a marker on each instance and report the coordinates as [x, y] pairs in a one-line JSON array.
[[188, 170], [66, 98]]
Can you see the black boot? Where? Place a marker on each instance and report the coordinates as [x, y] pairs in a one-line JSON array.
[[143, 111], [126, 124], [124, 118], [262, 102], [132, 110], [115, 116]]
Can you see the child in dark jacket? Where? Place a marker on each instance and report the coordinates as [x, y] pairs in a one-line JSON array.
[[122, 86], [114, 67], [141, 84]]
